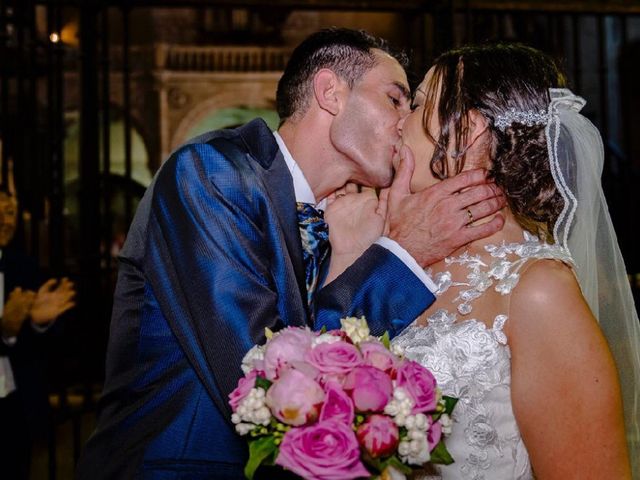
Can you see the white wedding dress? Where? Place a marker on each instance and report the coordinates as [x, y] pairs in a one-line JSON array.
[[464, 345]]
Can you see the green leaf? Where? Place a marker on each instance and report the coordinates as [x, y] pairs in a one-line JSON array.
[[441, 455], [449, 404], [260, 450], [263, 383], [323, 329], [395, 462], [380, 464], [385, 340]]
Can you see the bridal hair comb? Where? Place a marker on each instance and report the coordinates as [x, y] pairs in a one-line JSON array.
[[528, 118]]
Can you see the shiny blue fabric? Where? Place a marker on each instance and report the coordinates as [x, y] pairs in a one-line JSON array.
[[212, 258]]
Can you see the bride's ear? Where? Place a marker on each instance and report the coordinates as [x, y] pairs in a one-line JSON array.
[[478, 125]]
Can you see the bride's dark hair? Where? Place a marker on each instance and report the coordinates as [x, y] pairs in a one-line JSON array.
[[493, 79]]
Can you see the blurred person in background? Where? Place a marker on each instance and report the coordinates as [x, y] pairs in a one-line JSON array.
[[28, 310]]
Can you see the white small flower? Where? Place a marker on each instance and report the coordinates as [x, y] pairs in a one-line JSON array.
[[415, 446], [421, 457], [244, 428], [400, 420], [392, 409], [404, 449], [253, 409], [399, 394], [325, 338], [410, 422], [421, 421], [397, 350], [263, 415], [356, 328], [256, 353], [399, 408], [446, 423], [416, 451]]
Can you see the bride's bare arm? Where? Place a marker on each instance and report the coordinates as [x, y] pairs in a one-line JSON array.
[[565, 390]]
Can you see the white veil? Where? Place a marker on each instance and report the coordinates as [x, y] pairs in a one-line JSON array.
[[584, 227]]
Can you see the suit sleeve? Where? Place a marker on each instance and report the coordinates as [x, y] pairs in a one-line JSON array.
[[208, 263], [380, 287]]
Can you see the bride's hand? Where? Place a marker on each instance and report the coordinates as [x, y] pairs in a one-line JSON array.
[[356, 220]]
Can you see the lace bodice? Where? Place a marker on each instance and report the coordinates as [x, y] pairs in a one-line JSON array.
[[470, 357]]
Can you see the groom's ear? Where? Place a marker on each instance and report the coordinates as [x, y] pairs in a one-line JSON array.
[[326, 90]]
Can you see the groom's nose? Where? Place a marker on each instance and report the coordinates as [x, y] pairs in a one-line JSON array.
[[401, 122]]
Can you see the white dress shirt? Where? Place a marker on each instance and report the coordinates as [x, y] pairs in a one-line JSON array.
[[304, 194]]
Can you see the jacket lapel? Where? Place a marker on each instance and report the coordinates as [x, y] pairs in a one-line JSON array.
[[260, 142]]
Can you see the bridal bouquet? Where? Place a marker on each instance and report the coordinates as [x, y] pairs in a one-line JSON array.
[[338, 404]]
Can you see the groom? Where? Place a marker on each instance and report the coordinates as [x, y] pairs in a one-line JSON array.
[[214, 255]]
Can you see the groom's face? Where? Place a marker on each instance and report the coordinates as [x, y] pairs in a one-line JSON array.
[[365, 130]]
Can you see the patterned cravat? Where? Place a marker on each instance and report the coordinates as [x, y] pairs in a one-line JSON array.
[[314, 234]]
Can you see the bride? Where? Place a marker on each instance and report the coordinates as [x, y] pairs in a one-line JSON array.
[[525, 321]]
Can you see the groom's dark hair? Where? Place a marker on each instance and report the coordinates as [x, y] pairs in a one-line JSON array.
[[346, 52]]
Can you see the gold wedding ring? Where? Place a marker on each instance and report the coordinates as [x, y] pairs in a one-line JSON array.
[[470, 215]]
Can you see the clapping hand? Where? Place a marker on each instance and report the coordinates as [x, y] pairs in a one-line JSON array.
[[51, 300], [16, 310]]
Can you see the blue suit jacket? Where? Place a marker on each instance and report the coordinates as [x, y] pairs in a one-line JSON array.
[[212, 258]]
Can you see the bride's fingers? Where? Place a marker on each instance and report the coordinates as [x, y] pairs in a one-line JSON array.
[[383, 202]]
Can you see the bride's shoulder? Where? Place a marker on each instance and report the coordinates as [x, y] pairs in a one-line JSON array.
[[543, 279], [547, 295]]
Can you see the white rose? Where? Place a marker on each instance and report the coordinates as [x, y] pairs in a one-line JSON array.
[[253, 355], [356, 328]]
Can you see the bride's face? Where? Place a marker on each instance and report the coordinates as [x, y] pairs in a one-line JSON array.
[[415, 137]]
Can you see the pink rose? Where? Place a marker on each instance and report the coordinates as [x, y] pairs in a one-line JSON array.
[[245, 384], [337, 358], [420, 384], [377, 355], [323, 451], [379, 435], [337, 405], [289, 345], [434, 434], [294, 398], [369, 388]]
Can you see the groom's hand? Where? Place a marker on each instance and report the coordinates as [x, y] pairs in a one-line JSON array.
[[354, 218], [355, 222], [434, 222]]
